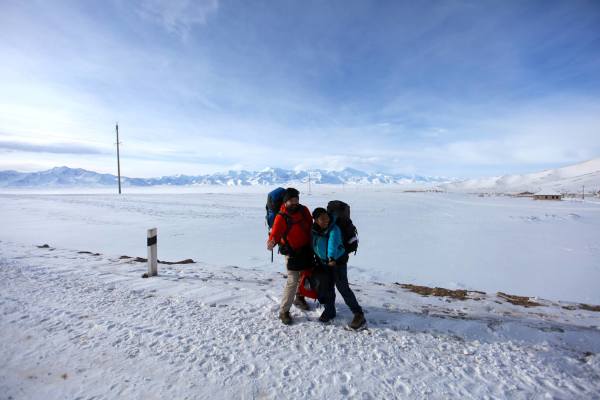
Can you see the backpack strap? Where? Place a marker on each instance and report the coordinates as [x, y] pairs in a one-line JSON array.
[[327, 246], [288, 222]]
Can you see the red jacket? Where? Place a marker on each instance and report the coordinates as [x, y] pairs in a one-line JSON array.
[[299, 234]]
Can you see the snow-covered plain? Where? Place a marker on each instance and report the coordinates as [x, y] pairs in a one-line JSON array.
[[518, 245], [79, 325]]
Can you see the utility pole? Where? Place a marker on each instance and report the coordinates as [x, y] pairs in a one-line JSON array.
[[118, 157], [583, 193]]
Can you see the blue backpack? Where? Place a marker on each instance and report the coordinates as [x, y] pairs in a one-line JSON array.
[[274, 202]]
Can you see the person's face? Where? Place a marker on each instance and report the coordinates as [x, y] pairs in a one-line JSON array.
[[292, 204], [323, 221]]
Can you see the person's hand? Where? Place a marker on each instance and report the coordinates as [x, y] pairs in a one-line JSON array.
[[270, 244], [331, 263]]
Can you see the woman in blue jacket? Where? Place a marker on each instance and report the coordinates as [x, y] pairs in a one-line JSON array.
[[332, 257]]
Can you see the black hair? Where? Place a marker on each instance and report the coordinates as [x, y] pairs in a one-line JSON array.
[[290, 193], [318, 212]]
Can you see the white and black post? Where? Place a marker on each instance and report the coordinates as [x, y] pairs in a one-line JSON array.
[[152, 253]]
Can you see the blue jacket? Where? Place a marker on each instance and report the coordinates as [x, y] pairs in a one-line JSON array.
[[328, 245]]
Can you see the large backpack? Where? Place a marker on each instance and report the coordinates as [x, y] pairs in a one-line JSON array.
[[308, 284], [341, 211], [274, 202]]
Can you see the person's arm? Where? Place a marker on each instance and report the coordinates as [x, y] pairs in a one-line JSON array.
[[279, 227], [308, 220], [335, 240]]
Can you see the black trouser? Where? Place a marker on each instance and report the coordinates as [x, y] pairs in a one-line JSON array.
[[335, 277]]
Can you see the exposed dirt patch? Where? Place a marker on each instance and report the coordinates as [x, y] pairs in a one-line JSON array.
[[44, 246], [477, 291], [88, 252], [186, 261], [437, 291], [589, 307], [585, 357], [143, 260], [518, 300], [570, 308]]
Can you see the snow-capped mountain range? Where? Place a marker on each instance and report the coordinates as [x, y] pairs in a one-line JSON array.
[[570, 179], [77, 177]]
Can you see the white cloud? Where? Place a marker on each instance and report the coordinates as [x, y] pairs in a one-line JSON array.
[[178, 16], [57, 148]]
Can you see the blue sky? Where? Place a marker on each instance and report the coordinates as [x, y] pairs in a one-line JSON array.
[[453, 88]]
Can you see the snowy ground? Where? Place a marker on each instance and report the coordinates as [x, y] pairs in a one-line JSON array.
[[79, 325]]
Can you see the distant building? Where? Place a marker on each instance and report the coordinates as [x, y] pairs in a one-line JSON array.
[[547, 195], [524, 194]]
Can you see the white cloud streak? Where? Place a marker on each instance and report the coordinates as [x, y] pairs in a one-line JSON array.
[[178, 16]]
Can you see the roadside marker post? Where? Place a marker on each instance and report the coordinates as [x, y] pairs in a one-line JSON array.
[[152, 252]]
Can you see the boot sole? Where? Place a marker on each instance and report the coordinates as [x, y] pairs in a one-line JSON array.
[[363, 327]]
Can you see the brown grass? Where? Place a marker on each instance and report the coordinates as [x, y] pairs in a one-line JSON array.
[[437, 291], [518, 300], [589, 307]]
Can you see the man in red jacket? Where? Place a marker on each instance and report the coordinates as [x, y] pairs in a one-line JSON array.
[[292, 232]]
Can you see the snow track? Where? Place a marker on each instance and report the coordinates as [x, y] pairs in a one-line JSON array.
[[82, 327]]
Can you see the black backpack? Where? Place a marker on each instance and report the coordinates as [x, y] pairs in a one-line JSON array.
[[341, 211]]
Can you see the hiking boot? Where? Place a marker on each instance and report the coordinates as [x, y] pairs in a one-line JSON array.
[[286, 318], [326, 317], [301, 303], [358, 321]]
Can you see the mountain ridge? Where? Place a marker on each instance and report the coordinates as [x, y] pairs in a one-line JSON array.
[[568, 179], [79, 177]]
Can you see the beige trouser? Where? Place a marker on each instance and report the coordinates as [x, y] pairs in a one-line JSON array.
[[289, 292]]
